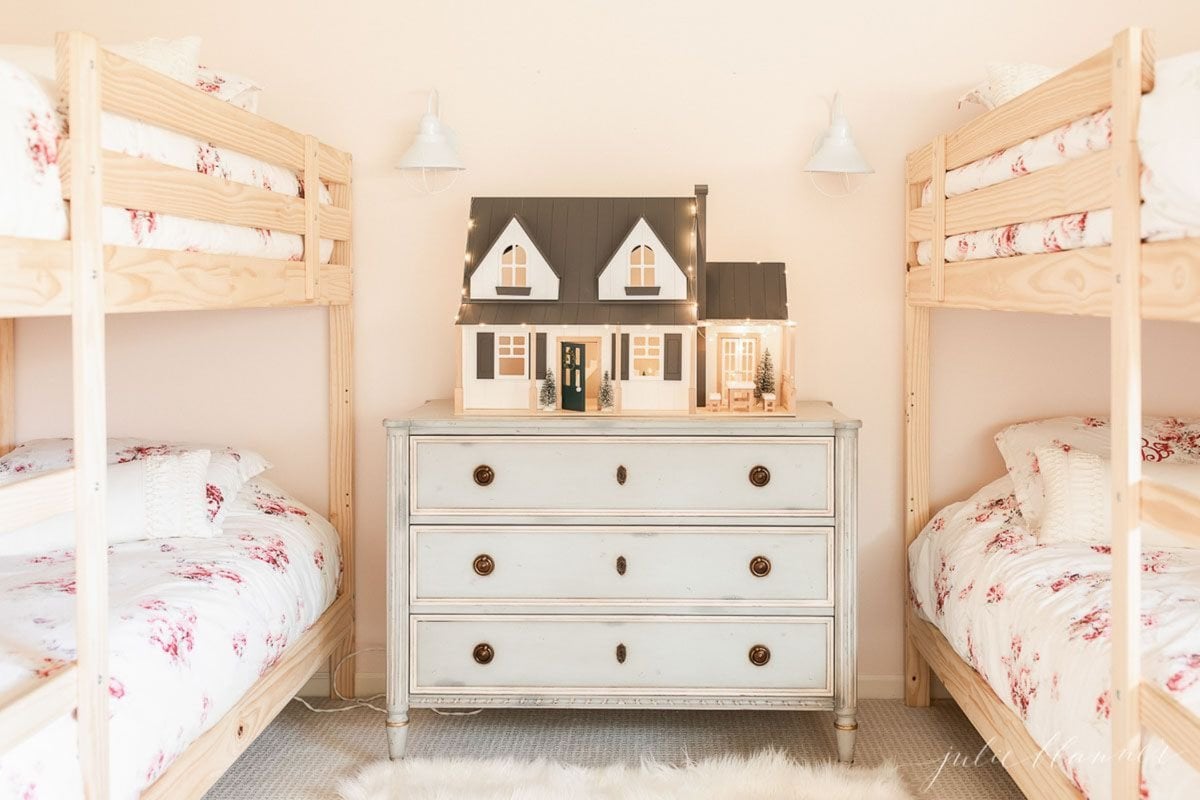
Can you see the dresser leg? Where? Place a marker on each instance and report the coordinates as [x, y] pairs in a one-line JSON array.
[[846, 725], [397, 734]]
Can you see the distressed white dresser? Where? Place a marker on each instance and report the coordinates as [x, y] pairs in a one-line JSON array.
[[622, 562]]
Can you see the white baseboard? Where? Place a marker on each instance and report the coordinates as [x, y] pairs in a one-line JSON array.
[[870, 687]]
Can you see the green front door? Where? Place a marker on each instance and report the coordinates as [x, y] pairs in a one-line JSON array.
[[574, 398]]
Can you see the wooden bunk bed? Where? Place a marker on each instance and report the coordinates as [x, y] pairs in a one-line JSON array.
[[86, 279], [1128, 281]]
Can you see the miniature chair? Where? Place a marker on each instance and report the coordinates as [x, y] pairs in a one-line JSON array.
[[714, 401], [768, 401]]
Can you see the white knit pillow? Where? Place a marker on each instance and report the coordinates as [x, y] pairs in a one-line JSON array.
[[176, 58], [1078, 498], [1006, 81], [155, 497]]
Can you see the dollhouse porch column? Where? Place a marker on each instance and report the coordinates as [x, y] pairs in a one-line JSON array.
[[458, 370], [530, 361]]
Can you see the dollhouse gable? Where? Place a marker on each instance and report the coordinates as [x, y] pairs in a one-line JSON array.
[[641, 269], [513, 268]]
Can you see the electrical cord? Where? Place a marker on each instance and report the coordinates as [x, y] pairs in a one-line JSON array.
[[367, 702]]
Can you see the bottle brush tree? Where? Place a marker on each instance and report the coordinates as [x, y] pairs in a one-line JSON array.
[[765, 380], [548, 397], [606, 392]]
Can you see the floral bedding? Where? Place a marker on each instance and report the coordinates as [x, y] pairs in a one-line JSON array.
[[1033, 620], [1169, 138], [31, 203], [193, 623]]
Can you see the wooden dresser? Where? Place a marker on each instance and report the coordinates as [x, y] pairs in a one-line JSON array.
[[572, 561]]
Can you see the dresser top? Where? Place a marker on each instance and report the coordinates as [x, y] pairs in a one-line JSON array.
[[815, 414]]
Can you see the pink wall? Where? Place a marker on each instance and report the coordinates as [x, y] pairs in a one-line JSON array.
[[621, 97]]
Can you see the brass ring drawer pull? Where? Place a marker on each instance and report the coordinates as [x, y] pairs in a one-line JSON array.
[[484, 475], [620, 654], [760, 566], [760, 476], [621, 565], [622, 474], [484, 564], [483, 653], [759, 655]]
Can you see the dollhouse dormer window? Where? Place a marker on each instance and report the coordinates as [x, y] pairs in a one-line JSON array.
[[513, 267], [641, 267]]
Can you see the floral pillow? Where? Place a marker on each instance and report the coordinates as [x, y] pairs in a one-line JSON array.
[[1163, 439], [233, 89], [157, 497], [228, 471]]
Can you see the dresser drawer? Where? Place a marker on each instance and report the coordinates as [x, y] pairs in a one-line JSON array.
[[702, 566], [687, 476], [547, 655]]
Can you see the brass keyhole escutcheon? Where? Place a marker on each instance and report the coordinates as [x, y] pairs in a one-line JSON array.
[[622, 474], [483, 653], [759, 655], [484, 564], [760, 476], [620, 654], [760, 566], [621, 565], [484, 475]]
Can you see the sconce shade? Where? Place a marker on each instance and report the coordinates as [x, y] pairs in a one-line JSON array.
[[836, 150], [434, 147]]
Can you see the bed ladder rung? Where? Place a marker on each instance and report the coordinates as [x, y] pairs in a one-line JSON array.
[[1171, 721], [35, 499], [24, 710], [1174, 509]]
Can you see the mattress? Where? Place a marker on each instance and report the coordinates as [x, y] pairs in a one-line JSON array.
[[1169, 140], [31, 203], [1034, 621], [193, 623]]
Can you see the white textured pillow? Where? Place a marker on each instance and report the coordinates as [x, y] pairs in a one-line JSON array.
[[1006, 81], [176, 58], [1078, 497], [155, 497]]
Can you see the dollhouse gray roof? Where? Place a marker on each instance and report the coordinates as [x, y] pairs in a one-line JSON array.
[[578, 236], [736, 290]]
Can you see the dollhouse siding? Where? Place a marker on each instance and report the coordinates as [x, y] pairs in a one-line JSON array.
[[540, 278], [669, 275]]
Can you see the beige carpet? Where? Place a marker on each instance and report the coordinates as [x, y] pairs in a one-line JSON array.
[[302, 755]]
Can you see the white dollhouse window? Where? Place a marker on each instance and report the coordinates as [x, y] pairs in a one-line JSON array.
[[641, 266], [511, 356], [513, 263], [646, 357]]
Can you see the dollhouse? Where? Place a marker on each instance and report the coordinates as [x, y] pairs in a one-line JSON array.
[[608, 304]]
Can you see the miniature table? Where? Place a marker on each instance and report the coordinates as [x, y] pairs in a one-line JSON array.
[[741, 393]]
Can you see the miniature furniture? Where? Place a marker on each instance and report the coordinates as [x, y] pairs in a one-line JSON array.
[[741, 395], [656, 562], [715, 401], [86, 279], [1129, 281], [768, 402]]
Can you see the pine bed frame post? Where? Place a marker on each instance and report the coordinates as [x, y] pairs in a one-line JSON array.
[[78, 67], [1128, 52], [8, 385], [341, 449], [916, 425]]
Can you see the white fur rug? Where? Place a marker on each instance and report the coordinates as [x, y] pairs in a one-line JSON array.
[[765, 776]]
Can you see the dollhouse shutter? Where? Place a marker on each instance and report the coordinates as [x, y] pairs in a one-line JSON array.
[[485, 355], [539, 362], [624, 356], [673, 357]]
